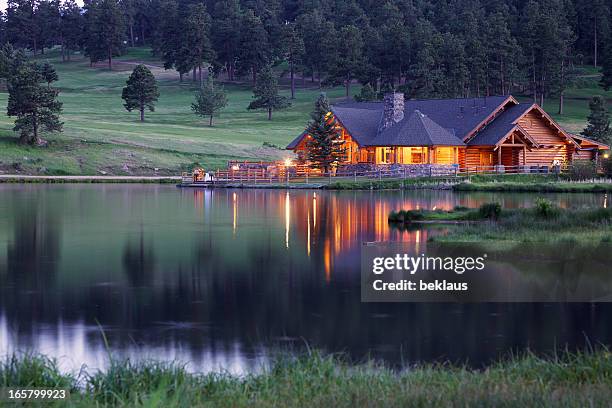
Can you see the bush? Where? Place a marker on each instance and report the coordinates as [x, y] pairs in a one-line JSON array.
[[545, 208], [582, 170], [606, 165], [405, 216], [490, 210]]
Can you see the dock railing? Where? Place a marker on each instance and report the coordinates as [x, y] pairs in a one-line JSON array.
[[301, 174]]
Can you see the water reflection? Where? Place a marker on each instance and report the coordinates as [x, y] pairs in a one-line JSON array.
[[223, 278]]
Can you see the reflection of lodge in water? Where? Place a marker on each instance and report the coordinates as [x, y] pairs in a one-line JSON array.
[[327, 226], [322, 224]]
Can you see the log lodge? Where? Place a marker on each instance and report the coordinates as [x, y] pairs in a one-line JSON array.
[[495, 132]]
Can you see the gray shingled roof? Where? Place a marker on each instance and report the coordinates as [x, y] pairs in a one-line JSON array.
[[449, 121], [416, 130], [500, 127]]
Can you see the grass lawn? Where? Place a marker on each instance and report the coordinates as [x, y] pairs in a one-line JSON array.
[[100, 136], [581, 379]]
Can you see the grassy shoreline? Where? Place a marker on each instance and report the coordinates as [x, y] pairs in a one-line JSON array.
[[545, 222], [563, 379]]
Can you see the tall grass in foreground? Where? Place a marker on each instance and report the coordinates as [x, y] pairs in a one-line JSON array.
[[582, 379]]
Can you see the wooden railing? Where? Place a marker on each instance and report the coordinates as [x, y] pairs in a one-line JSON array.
[[305, 175]]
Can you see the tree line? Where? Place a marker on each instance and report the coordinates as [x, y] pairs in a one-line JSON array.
[[425, 48]]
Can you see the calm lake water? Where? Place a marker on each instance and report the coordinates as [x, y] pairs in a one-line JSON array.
[[223, 279]]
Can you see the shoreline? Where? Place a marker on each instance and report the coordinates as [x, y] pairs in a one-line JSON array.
[[24, 179], [510, 183]]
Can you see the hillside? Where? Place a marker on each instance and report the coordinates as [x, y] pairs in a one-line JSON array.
[[100, 136]]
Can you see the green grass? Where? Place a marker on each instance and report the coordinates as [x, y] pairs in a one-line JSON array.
[[562, 379], [101, 136], [543, 223], [535, 187]]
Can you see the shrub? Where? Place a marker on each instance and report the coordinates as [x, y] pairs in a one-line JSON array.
[[606, 165], [582, 170], [490, 210], [545, 208], [405, 216]]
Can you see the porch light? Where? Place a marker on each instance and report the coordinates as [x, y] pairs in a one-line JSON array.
[[235, 167], [606, 155], [288, 163]]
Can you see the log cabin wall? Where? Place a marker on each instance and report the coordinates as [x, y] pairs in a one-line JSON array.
[[476, 156], [546, 135]]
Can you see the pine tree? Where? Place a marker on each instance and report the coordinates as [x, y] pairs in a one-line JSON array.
[[292, 46], [196, 48], [348, 58], [226, 34], [210, 99], [598, 127], [254, 51], [606, 69], [71, 28], [105, 30], [367, 94], [325, 144], [48, 73], [141, 91], [35, 105], [266, 94]]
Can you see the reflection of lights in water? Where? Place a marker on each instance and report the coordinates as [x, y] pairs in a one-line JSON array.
[[327, 259], [308, 239], [287, 219], [605, 200], [235, 204], [314, 211]]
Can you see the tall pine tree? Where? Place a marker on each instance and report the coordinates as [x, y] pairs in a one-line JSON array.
[[325, 144], [598, 127]]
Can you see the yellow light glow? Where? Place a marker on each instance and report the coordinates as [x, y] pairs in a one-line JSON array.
[[288, 163], [606, 155], [287, 219], [235, 167]]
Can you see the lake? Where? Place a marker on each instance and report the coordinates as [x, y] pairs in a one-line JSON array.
[[224, 279]]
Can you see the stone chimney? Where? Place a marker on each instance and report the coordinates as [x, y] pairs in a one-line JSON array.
[[393, 109]]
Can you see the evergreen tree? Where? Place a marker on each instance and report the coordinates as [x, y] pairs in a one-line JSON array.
[[606, 69], [196, 48], [254, 51], [598, 126], [71, 28], [293, 51], [35, 105], [105, 27], [319, 38], [210, 99], [21, 26], [367, 94], [325, 144], [47, 18], [226, 34], [48, 73], [348, 57], [266, 94], [140, 91]]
